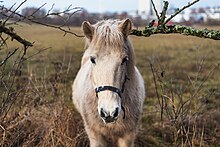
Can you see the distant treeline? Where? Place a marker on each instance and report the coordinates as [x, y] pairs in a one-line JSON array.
[[44, 16]]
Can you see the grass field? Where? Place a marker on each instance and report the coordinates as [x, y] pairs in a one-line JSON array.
[[186, 74]]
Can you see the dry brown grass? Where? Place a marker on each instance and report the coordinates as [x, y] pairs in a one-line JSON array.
[[51, 125], [43, 115]]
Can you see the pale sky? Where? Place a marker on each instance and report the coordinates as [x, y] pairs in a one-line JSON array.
[[107, 5]]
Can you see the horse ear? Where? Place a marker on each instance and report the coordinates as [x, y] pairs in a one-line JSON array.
[[125, 27], [88, 30]]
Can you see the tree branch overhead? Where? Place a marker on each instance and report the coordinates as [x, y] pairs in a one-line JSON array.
[[163, 28]]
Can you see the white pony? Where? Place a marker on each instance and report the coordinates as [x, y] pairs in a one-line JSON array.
[[108, 90]]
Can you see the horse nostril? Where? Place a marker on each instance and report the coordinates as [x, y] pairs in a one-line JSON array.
[[102, 113], [116, 113]]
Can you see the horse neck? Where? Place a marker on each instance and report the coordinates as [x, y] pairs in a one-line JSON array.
[[131, 65]]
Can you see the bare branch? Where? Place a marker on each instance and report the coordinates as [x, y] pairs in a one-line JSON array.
[[38, 52], [38, 9], [8, 56], [180, 10], [12, 6], [50, 9], [3, 41], [4, 134], [13, 35], [163, 14], [155, 10], [35, 20], [155, 84], [58, 27], [13, 12]]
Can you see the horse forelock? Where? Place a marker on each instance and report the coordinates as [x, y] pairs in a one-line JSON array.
[[107, 35]]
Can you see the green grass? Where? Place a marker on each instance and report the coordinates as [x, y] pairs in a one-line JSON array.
[[53, 70]]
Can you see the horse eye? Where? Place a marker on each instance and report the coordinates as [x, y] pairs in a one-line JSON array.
[[125, 59], [92, 59]]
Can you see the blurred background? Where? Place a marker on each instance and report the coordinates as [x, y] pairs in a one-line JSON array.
[[140, 11], [181, 73]]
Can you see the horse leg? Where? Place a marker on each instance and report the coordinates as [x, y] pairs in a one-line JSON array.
[[96, 139], [127, 140]]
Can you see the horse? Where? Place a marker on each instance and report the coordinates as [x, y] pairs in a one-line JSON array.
[[108, 90]]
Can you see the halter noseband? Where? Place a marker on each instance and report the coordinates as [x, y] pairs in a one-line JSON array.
[[110, 88]]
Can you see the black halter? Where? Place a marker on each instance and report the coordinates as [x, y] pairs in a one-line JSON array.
[[113, 89], [110, 88]]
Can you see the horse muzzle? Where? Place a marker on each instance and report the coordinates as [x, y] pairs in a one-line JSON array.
[[109, 117]]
